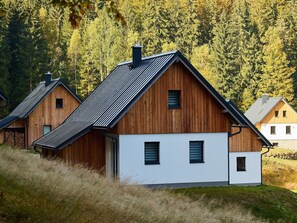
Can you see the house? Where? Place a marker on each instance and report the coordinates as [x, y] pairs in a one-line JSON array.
[[156, 121], [276, 120], [45, 108], [3, 100]]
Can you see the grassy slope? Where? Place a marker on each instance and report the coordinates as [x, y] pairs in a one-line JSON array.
[[36, 190], [268, 202]]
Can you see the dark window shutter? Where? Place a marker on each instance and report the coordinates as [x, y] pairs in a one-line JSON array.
[[151, 153], [196, 151], [173, 99]]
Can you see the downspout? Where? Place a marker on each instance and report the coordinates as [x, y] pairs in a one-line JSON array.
[[229, 136], [268, 149]]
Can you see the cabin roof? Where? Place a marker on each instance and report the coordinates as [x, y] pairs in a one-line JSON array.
[[117, 94], [265, 142], [32, 101], [2, 96], [258, 111]]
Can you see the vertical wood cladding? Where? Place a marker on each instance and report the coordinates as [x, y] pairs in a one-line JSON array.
[[89, 150], [199, 112], [246, 141], [46, 112], [291, 115]]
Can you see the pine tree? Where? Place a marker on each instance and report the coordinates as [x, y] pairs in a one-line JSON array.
[[277, 77]]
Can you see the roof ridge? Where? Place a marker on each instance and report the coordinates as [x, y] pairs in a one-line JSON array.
[[150, 57]]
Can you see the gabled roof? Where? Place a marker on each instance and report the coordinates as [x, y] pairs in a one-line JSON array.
[[262, 106], [265, 142], [117, 94], [32, 101]]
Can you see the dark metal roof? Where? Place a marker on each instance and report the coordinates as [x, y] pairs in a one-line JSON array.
[[117, 93], [265, 142], [32, 101], [258, 111]]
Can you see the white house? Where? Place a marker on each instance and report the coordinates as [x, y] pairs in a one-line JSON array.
[[276, 120], [156, 121]]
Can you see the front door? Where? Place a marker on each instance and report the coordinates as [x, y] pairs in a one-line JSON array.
[[111, 157]]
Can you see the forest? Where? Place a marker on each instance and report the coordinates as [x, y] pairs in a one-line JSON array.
[[244, 48]]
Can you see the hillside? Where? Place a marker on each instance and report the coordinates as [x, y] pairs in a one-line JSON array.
[[38, 190]]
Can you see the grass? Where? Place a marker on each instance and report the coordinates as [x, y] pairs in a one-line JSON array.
[[271, 203], [280, 172], [37, 190]]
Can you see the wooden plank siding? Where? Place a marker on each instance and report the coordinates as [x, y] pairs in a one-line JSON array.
[[199, 112], [246, 141], [89, 150], [291, 116], [46, 112]]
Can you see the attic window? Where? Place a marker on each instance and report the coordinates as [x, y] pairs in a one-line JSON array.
[[284, 113], [59, 102], [276, 114], [173, 99]]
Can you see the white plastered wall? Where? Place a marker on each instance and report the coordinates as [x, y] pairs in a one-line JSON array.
[[174, 164], [280, 131], [252, 175]]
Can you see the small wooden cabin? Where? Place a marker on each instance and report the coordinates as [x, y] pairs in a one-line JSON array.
[[44, 109], [156, 121]]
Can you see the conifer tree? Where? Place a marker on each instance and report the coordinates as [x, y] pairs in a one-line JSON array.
[[277, 75]]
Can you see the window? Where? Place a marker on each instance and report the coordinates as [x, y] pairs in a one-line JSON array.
[[59, 103], [173, 99], [288, 130], [196, 151], [276, 114], [151, 153], [275, 144], [241, 164], [272, 130], [46, 129], [284, 113]]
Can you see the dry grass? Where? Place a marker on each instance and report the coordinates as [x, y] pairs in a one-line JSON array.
[[280, 172], [48, 191]]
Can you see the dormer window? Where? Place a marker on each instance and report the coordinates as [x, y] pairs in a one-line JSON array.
[[59, 102], [174, 99]]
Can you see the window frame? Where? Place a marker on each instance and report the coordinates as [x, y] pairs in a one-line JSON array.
[[155, 162], [191, 160], [274, 130], [50, 127], [171, 106], [284, 113], [288, 127], [59, 103], [242, 167], [276, 114], [275, 144]]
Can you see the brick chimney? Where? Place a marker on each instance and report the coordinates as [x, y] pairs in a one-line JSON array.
[[48, 78], [136, 55]]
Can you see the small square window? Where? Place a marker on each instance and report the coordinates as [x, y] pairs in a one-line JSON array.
[[284, 113], [46, 129], [288, 130], [275, 144], [272, 130], [59, 103], [276, 114], [241, 164], [173, 99], [196, 151], [151, 153]]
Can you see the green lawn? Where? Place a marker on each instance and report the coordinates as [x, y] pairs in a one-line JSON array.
[[272, 203]]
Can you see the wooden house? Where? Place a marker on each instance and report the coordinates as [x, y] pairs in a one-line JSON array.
[[276, 120], [156, 121], [44, 109]]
